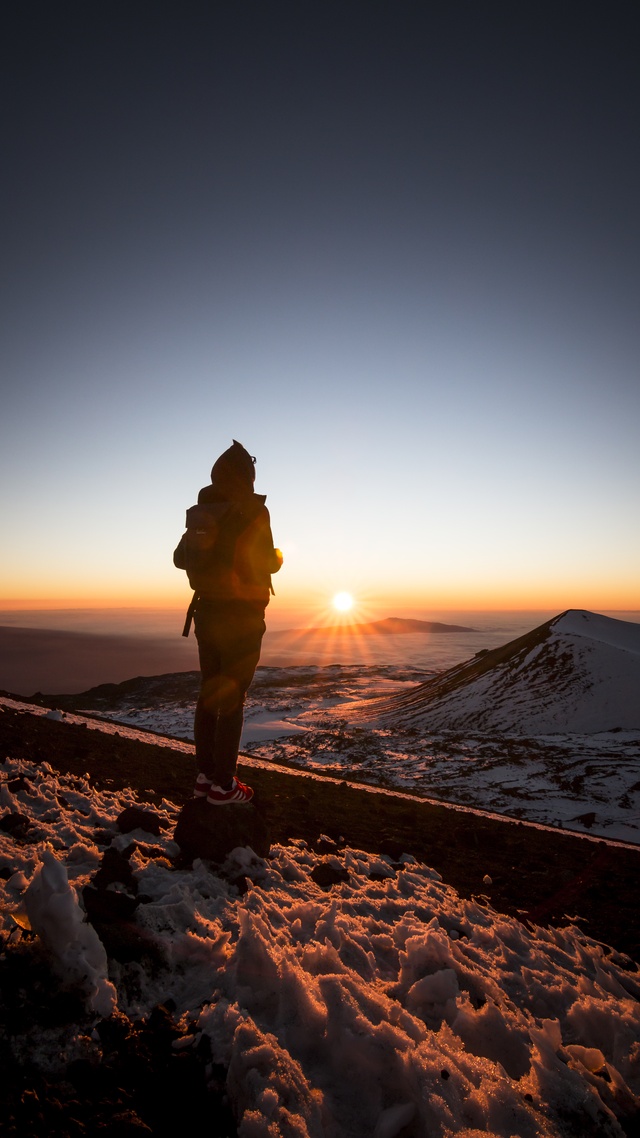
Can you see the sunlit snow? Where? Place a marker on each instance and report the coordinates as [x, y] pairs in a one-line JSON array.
[[548, 731], [387, 1004]]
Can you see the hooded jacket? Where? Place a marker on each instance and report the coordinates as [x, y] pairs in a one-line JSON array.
[[242, 556]]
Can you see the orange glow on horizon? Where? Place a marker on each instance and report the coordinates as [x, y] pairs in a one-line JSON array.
[[309, 606]]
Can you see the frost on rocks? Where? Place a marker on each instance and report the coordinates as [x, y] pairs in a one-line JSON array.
[[385, 1005]]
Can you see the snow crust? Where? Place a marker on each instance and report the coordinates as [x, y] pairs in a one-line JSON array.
[[386, 1004]]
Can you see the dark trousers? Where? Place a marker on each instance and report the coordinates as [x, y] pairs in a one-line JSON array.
[[229, 636]]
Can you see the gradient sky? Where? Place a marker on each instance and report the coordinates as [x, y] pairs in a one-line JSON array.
[[392, 248]]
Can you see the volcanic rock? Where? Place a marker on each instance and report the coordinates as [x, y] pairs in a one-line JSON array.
[[212, 832], [135, 817]]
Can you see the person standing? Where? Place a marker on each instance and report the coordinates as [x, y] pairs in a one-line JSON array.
[[229, 556]]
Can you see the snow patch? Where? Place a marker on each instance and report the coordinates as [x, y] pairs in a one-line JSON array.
[[368, 1008]]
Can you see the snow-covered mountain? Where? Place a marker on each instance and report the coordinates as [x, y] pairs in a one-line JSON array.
[[545, 727], [578, 673]]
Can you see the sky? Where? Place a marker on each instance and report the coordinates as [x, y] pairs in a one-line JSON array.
[[391, 247]]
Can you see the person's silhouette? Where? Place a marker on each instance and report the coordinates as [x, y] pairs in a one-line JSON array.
[[229, 556]]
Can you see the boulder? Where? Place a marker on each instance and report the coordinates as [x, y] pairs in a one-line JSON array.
[[111, 895], [326, 873], [107, 905], [212, 832], [136, 818], [15, 824], [115, 866]]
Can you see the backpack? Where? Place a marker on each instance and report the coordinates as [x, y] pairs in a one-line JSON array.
[[199, 549], [206, 549]]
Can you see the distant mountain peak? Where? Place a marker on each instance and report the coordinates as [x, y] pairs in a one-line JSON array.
[[578, 672], [389, 626], [602, 629], [400, 624]]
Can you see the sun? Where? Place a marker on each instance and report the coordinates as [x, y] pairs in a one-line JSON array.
[[342, 602]]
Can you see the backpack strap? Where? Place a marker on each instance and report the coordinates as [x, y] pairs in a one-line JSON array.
[[189, 617]]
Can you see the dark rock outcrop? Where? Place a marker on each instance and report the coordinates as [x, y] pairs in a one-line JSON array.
[[212, 832], [111, 895], [15, 824], [135, 817], [325, 874]]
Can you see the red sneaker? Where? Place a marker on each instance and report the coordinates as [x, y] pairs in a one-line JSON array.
[[237, 793], [202, 787]]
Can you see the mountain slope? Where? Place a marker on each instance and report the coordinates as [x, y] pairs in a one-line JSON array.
[[579, 672]]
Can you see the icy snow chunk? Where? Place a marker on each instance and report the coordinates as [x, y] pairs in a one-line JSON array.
[[381, 867], [244, 860], [18, 881], [264, 1075], [590, 1057], [489, 1033], [435, 989], [393, 1119], [75, 947], [83, 856]]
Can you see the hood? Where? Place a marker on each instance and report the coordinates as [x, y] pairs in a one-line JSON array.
[[233, 473]]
